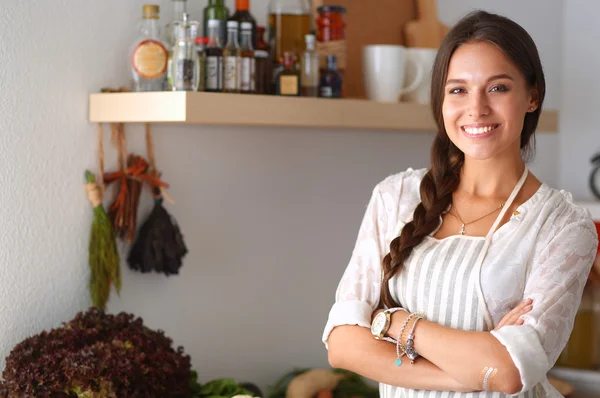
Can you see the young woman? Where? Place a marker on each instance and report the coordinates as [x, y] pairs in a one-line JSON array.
[[479, 266]]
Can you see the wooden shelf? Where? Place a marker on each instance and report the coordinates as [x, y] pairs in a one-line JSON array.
[[262, 110]]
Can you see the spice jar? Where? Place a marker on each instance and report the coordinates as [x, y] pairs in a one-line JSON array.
[[331, 34]]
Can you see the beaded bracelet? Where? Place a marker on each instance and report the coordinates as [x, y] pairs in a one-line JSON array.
[[410, 350], [399, 345]]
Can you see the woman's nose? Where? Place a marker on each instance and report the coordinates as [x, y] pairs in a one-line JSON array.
[[478, 105]]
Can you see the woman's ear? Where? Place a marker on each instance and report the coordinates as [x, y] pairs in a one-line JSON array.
[[534, 100]]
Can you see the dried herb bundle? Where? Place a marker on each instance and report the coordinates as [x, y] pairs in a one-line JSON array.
[[159, 245], [98, 355], [103, 254]]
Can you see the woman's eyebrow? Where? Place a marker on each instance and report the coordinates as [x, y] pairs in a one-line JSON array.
[[495, 77]]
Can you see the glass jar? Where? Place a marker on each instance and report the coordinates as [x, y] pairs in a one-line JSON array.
[[289, 22], [331, 23], [185, 69]]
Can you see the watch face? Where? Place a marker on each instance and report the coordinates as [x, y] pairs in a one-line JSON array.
[[378, 323]]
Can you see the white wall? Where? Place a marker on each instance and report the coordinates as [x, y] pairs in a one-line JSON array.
[[269, 215], [579, 119]]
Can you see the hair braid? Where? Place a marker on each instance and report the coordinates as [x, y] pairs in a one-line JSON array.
[[436, 189]]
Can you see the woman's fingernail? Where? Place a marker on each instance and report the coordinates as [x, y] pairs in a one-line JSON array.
[[528, 308]]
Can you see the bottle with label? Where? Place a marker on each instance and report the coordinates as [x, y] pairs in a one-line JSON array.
[[185, 63], [330, 85], [287, 80], [247, 61], [310, 68], [289, 23], [231, 60], [149, 56], [216, 10], [179, 8], [214, 58], [241, 15], [331, 35], [263, 62]]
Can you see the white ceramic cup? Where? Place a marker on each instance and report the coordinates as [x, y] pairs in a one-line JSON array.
[[384, 71], [424, 57]]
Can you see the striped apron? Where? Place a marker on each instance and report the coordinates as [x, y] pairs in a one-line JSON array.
[[441, 280]]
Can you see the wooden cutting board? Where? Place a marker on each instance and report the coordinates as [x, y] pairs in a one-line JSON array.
[[369, 22], [426, 31]]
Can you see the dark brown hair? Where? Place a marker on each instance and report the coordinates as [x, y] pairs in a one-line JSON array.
[[443, 177]]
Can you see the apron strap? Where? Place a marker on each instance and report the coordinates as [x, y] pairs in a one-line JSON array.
[[488, 318]]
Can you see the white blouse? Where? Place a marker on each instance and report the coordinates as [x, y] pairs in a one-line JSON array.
[[544, 252]]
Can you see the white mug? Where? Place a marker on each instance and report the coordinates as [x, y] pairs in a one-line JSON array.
[[424, 57], [384, 72]]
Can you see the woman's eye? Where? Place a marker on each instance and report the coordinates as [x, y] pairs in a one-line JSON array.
[[499, 88], [457, 90]]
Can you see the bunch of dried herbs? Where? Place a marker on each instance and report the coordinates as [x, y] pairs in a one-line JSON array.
[[97, 355]]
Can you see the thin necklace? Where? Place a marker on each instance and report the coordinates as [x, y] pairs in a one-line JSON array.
[[462, 227]]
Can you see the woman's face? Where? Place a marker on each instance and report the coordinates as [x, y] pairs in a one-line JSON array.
[[485, 102]]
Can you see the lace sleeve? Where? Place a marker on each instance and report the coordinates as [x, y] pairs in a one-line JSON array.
[[358, 292], [555, 284]]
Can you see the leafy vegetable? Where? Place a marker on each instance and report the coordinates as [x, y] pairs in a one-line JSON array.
[[97, 355]]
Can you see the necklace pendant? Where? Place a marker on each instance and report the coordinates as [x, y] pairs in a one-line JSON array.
[[462, 229]]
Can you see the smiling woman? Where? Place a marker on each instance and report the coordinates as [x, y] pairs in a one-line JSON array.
[[466, 276]]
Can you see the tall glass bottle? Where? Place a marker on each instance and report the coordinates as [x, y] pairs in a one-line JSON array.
[[247, 61], [149, 55], [216, 10], [330, 85], [179, 8], [241, 15], [214, 58], [231, 60], [263, 62], [310, 68], [289, 22], [185, 63], [287, 80]]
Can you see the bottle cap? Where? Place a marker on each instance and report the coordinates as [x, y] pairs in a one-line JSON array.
[[150, 11], [246, 26], [232, 25], [310, 39], [213, 23]]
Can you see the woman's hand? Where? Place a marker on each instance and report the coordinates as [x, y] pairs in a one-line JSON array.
[[514, 316]]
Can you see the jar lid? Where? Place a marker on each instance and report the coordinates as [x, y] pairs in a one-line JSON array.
[[340, 9]]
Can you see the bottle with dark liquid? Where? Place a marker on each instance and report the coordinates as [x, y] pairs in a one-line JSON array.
[[247, 61], [289, 23], [331, 81], [263, 62], [231, 60], [241, 15], [214, 58], [287, 81]]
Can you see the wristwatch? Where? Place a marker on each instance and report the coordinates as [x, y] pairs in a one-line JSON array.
[[381, 323]]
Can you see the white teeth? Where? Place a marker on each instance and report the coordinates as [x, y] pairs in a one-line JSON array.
[[479, 130]]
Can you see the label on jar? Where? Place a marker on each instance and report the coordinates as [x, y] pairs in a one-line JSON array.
[[288, 85], [247, 68], [326, 92], [230, 74], [149, 59], [214, 73], [337, 48]]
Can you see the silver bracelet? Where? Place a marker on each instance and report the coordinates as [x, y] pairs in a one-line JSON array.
[[399, 345], [486, 377], [410, 350]]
